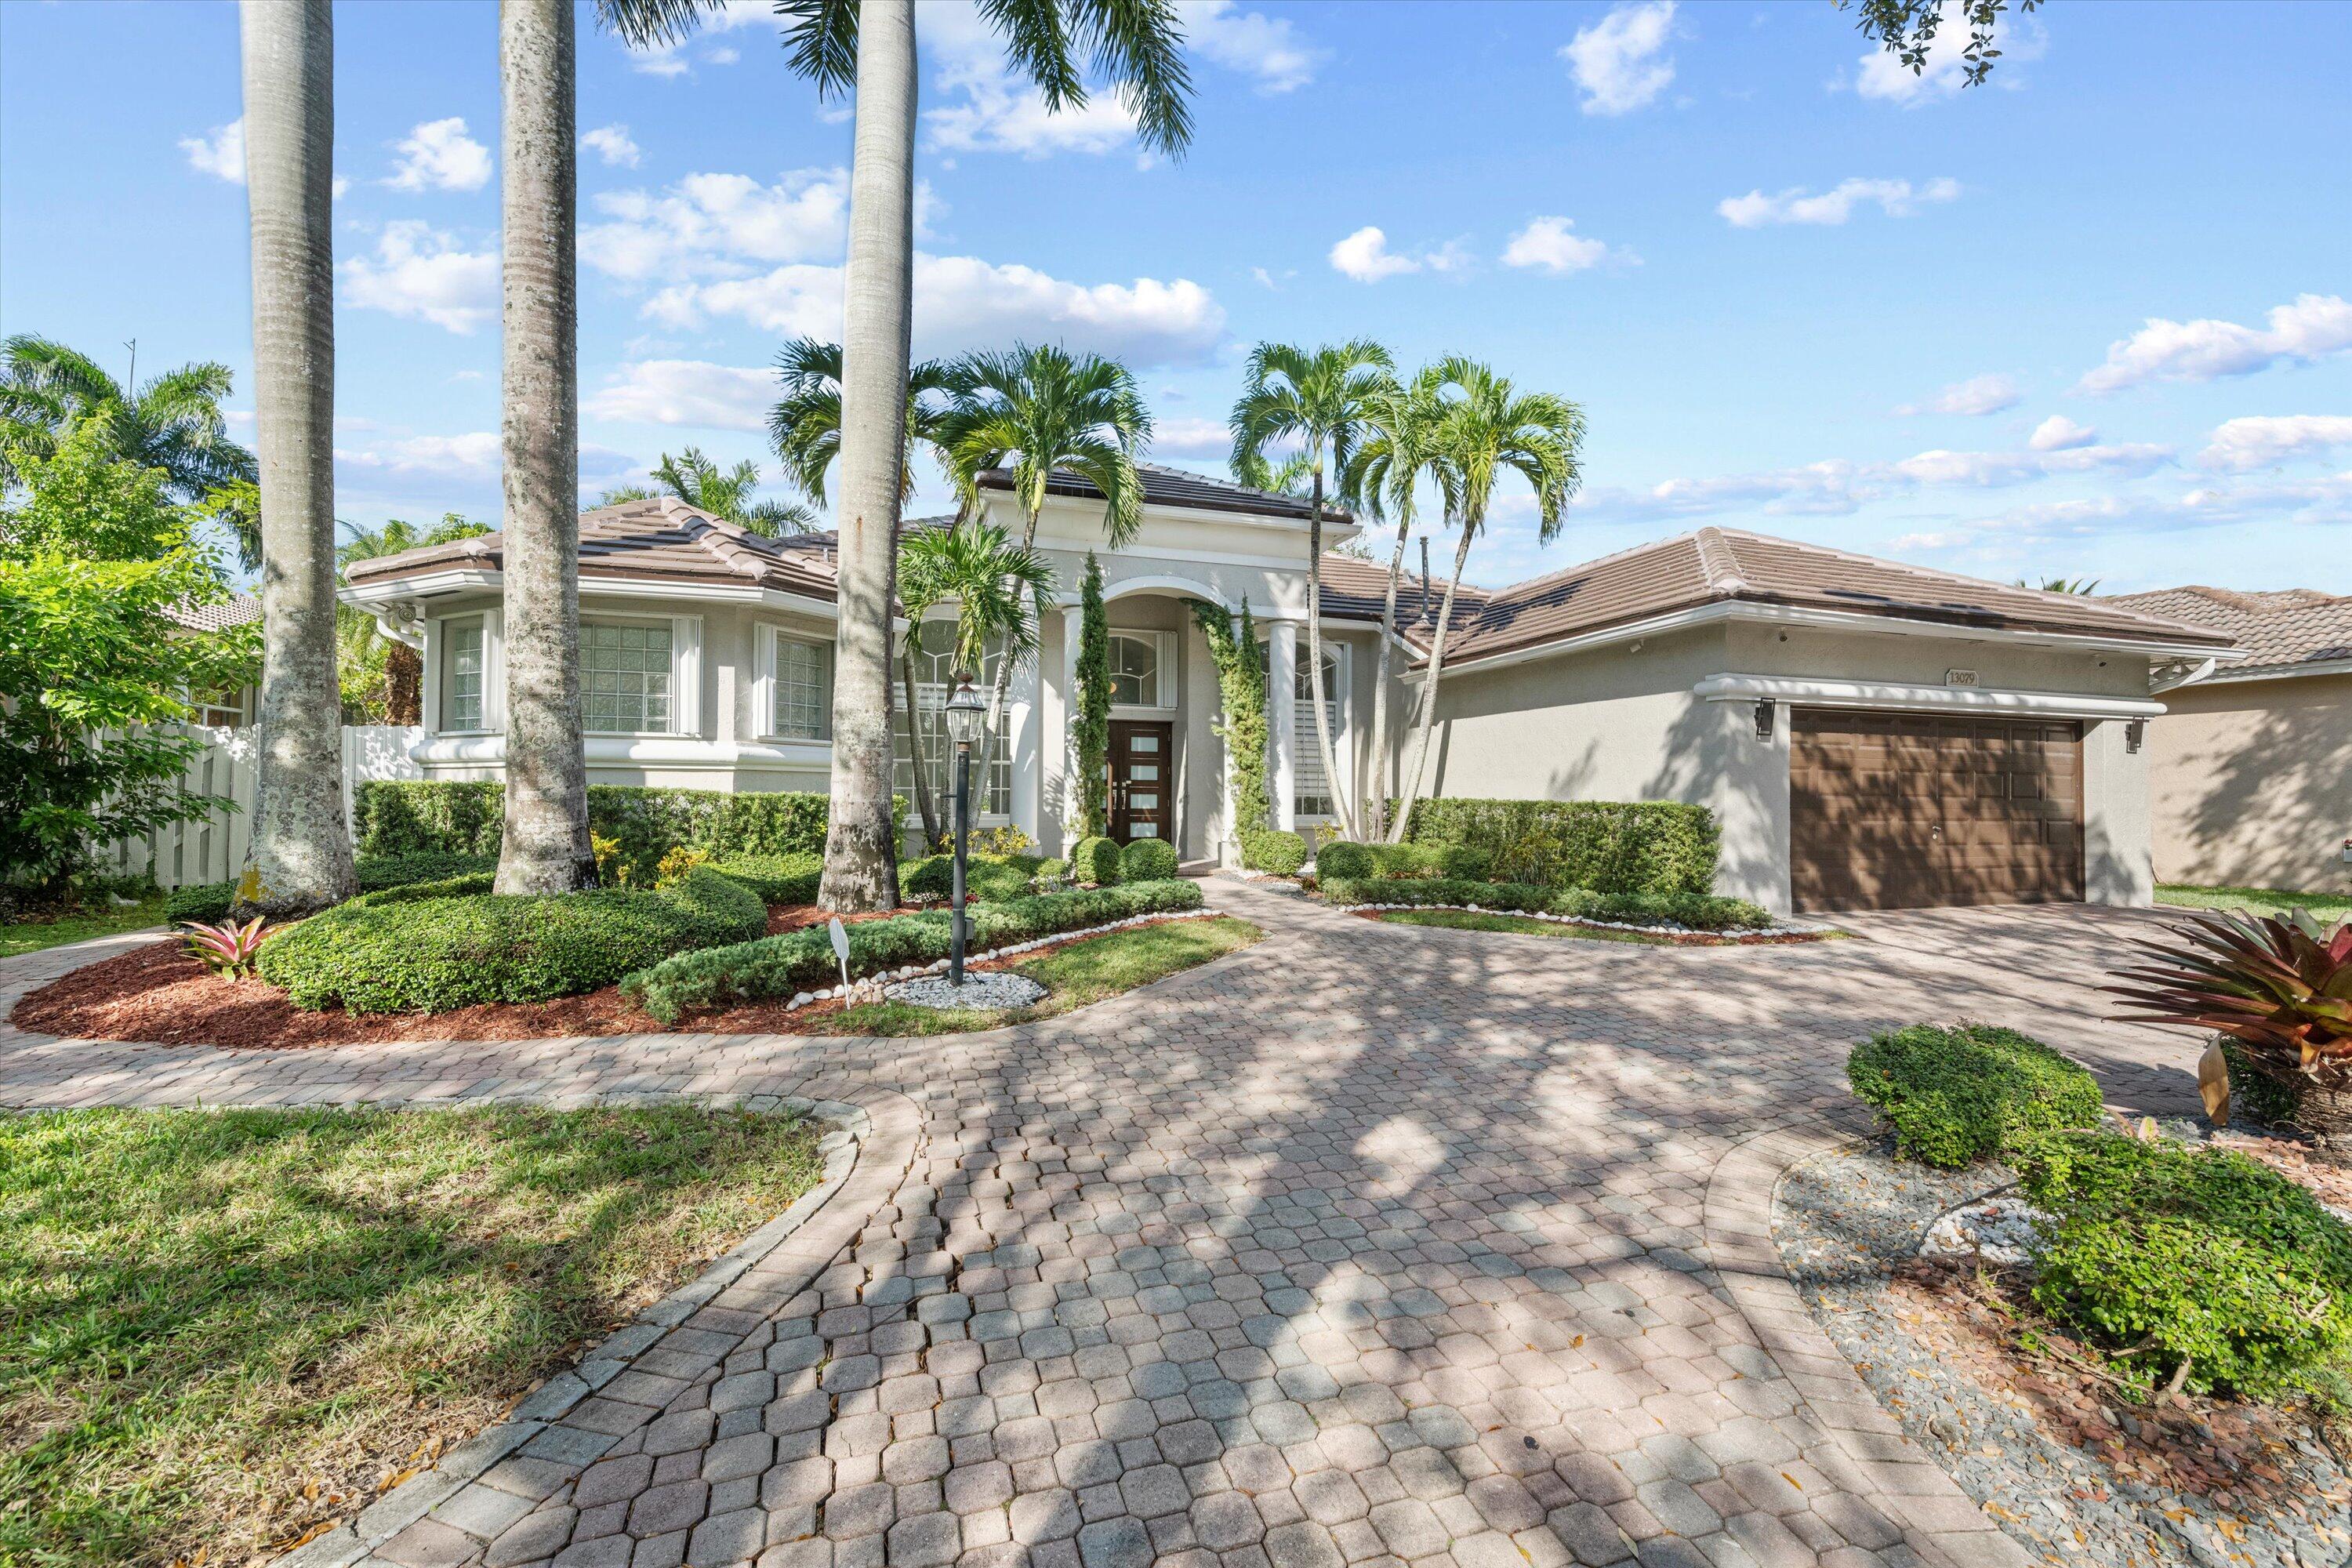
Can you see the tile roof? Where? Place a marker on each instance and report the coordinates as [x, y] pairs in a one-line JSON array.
[[2282, 631], [1164, 485], [1721, 565], [659, 541], [242, 609]]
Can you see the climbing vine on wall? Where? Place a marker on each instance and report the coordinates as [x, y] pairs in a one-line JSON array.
[[1240, 684]]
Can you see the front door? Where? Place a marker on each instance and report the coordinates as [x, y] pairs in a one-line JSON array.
[[1142, 779]]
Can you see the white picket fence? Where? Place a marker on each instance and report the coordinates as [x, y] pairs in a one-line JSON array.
[[211, 849]]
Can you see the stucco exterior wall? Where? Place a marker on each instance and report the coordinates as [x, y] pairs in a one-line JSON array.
[[2252, 782]]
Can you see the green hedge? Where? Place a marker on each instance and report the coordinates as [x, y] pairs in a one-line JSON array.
[[437, 945], [466, 818], [775, 878], [1353, 862], [1097, 861], [209, 901], [1692, 912], [1613, 847], [988, 879], [1148, 860], [1963, 1094], [779, 966], [1275, 850], [2172, 1252]]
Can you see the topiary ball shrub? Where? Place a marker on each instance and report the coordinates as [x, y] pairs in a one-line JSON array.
[[1097, 861], [2175, 1255], [1345, 859], [1273, 850], [439, 945], [1148, 860], [1963, 1094]]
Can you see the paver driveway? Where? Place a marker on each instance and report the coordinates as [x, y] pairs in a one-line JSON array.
[[1373, 1243]]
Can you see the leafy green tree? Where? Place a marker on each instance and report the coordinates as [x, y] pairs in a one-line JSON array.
[[726, 493], [1092, 730], [1314, 401], [1487, 429], [1907, 28], [806, 423], [381, 677], [95, 670]]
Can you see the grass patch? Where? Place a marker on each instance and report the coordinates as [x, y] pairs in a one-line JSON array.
[[1086, 970], [1517, 925], [31, 936], [2255, 900], [220, 1329]]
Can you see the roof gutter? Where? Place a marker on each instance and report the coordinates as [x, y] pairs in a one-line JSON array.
[[1813, 693], [370, 594]]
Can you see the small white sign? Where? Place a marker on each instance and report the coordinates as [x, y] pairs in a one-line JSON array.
[[840, 934], [1960, 678]]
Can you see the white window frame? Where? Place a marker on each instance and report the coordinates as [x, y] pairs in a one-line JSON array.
[[1164, 684], [685, 672], [1336, 694], [1003, 753], [764, 684], [493, 683]]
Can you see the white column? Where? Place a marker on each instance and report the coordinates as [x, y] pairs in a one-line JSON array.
[[1282, 718], [1065, 744], [1025, 724]]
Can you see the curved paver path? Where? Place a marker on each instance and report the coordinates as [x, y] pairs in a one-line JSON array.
[[1372, 1243]]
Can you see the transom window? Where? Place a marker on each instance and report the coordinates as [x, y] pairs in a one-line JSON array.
[[803, 692], [625, 675], [462, 667], [1135, 680]]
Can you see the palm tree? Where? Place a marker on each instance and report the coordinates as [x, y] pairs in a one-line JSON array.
[[361, 638], [726, 493], [1039, 411], [806, 423], [171, 422], [2063, 584], [999, 592], [1287, 478], [1488, 428], [871, 45], [1398, 447], [300, 857], [1314, 400]]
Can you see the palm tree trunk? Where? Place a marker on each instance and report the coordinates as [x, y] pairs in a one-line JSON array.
[[861, 863], [1375, 822], [301, 855], [1411, 787], [1314, 653], [546, 849], [923, 803]]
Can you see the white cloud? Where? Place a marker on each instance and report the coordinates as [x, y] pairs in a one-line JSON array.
[[461, 469], [2314, 327], [421, 273], [1190, 436], [1897, 198], [1251, 43], [708, 223], [2058, 433], [1618, 62], [1547, 245], [1987, 394], [2261, 441], [1886, 78], [473, 456], [613, 145], [686, 391], [1365, 257], [220, 154], [1994, 469], [670, 60], [2323, 500], [439, 156], [723, 55]]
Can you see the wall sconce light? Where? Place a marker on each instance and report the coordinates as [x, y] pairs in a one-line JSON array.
[[1764, 719], [2133, 733]]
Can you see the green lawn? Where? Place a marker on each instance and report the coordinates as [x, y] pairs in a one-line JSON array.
[[1518, 925], [1086, 970], [2258, 901], [219, 1330], [30, 936]]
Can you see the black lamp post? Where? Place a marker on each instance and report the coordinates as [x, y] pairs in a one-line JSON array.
[[966, 713]]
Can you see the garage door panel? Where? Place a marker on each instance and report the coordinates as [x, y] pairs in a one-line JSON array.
[[1907, 810]]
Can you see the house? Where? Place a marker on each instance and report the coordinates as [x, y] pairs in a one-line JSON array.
[[2250, 767], [1869, 733], [223, 709]]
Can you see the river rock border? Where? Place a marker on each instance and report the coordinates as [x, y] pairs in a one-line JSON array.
[[1718, 938], [486, 1484]]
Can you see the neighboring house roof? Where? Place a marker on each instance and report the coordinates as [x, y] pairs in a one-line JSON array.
[[655, 540], [1356, 589], [1721, 565], [2290, 631], [241, 610], [1164, 485]]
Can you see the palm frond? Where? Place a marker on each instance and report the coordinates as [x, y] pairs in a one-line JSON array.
[[642, 22], [821, 42]]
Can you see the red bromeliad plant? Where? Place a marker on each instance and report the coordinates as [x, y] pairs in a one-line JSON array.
[[228, 949], [2282, 988]]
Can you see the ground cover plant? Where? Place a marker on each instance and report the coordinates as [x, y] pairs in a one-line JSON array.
[[2334, 906], [1958, 1094], [219, 1330], [1692, 912]]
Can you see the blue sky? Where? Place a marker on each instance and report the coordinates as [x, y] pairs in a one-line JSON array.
[[2090, 318]]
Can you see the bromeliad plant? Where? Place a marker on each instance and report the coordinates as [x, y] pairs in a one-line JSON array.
[[2281, 988], [228, 949]]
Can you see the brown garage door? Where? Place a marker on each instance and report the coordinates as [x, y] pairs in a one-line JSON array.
[[1896, 811]]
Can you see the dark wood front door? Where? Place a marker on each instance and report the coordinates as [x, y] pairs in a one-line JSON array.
[[1142, 781], [1896, 811]]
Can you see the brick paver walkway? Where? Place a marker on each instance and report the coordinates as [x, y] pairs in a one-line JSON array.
[[1372, 1244]]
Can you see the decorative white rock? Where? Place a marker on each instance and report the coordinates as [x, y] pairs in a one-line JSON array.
[[990, 989]]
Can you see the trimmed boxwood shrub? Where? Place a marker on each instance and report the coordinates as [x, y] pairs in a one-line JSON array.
[[208, 901], [1692, 912], [1963, 1094], [988, 879], [779, 966], [437, 945], [1097, 861], [204, 902], [1148, 860], [449, 817], [2169, 1252], [774, 879], [1357, 862], [1612, 846], [1275, 850]]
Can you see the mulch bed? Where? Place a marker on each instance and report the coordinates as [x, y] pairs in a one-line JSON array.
[[157, 993]]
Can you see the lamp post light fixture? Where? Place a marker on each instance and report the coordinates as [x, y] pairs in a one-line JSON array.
[[966, 713]]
